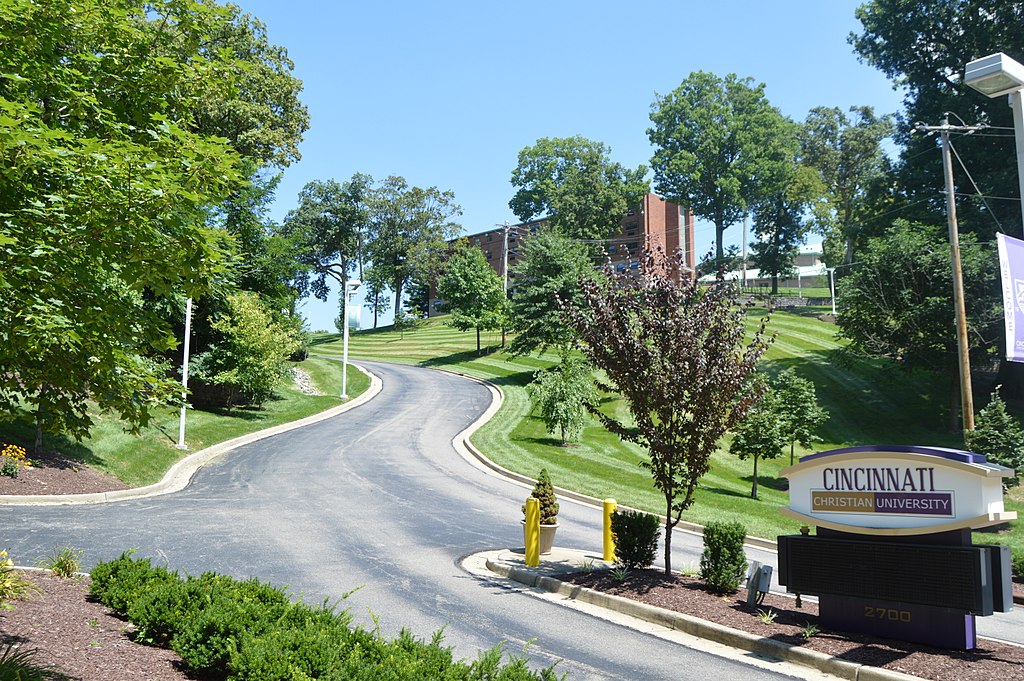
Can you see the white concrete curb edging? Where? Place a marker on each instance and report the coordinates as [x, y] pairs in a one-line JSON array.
[[701, 628], [180, 474]]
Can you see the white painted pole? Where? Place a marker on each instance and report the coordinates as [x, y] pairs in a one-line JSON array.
[[344, 351], [184, 375]]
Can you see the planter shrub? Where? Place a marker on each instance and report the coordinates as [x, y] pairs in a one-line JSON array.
[[636, 538], [723, 562], [117, 584], [544, 492]]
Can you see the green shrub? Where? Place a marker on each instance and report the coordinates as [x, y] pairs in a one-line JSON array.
[[544, 492], [14, 585], [63, 562], [1017, 561], [306, 643], [162, 612], [118, 583], [636, 538], [723, 562], [999, 436], [206, 639]]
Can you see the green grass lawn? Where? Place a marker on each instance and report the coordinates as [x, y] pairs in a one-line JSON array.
[[143, 459], [868, 402]]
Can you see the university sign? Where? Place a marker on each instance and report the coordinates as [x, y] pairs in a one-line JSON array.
[[893, 536], [897, 490]]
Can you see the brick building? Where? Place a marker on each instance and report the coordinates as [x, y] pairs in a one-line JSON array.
[[656, 223]]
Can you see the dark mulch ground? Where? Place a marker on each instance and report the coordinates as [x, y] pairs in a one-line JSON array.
[[80, 637], [989, 662], [56, 474]]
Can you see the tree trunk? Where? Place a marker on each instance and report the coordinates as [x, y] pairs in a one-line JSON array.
[[792, 448], [775, 284], [565, 442], [719, 248], [478, 340], [668, 535], [753, 488]]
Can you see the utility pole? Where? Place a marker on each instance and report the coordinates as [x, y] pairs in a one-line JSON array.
[[966, 395]]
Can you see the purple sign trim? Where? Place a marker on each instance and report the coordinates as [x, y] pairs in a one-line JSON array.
[[1011, 267], [941, 452]]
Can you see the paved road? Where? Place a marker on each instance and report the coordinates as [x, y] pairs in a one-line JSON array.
[[375, 499]]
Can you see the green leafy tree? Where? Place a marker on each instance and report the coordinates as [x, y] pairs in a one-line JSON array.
[[409, 232], [779, 224], [999, 436], [251, 356], [720, 147], [108, 183], [761, 435], [375, 288], [562, 393], [328, 229], [472, 292], [798, 406], [546, 277], [846, 151], [678, 355], [574, 180], [897, 302], [923, 46]]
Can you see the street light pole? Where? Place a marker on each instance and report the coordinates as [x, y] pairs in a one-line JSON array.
[[349, 289], [832, 288], [994, 76], [184, 375]]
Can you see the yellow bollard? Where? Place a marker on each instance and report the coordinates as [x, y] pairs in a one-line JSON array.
[[609, 539], [532, 532]]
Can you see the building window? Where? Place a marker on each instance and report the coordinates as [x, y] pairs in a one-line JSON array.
[[489, 238], [487, 254]]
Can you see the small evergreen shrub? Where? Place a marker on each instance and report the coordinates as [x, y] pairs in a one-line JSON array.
[[206, 640], [636, 538], [1017, 562], [544, 492], [999, 436], [310, 644], [723, 562], [118, 583]]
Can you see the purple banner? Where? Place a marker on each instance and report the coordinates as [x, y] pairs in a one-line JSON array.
[[1011, 264]]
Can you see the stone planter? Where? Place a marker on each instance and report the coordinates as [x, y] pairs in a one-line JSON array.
[[547, 537]]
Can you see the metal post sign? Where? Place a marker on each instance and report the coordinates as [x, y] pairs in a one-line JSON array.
[[892, 555]]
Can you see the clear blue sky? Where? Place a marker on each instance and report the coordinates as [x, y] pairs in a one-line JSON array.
[[447, 93]]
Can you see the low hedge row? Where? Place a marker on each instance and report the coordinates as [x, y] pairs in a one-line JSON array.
[[247, 630]]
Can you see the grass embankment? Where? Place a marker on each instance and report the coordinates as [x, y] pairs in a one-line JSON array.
[[868, 402], [143, 459]]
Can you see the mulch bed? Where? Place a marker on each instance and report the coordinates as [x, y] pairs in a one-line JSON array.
[[56, 474], [991, 661], [80, 637]]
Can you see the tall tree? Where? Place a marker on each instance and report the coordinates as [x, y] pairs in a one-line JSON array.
[[472, 292], [897, 303], [678, 355], [546, 277], [108, 183], [375, 285], [409, 231], [780, 226], [720, 147], [329, 228], [847, 153], [574, 180], [923, 46]]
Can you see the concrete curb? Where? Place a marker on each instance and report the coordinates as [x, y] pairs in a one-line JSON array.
[[701, 628], [474, 456], [180, 474]]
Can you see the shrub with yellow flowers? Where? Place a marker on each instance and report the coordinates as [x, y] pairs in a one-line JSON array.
[[12, 460]]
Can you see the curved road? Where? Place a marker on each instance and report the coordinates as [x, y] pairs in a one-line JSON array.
[[375, 499]]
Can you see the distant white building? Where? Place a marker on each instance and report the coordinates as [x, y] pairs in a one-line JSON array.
[[810, 272]]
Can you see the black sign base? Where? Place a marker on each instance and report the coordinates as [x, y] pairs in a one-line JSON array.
[[926, 624]]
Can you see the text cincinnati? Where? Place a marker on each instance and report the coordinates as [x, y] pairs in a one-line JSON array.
[[890, 479]]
